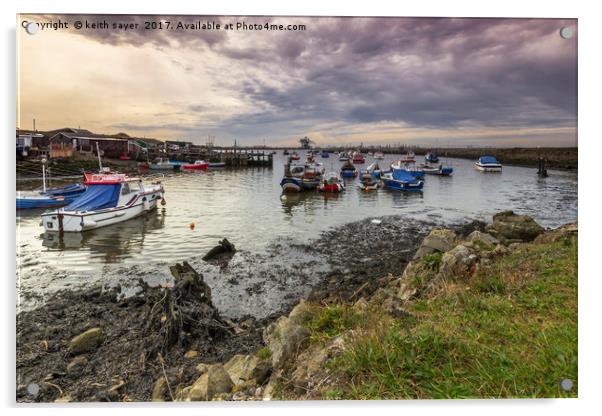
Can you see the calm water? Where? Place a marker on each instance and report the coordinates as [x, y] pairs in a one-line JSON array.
[[245, 206]]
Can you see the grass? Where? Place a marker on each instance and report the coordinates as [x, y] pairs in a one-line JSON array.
[[264, 353], [509, 331]]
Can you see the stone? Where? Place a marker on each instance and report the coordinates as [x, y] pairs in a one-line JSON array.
[[76, 366], [214, 382], [310, 364], [564, 232], [457, 262], [509, 226], [202, 368], [191, 354], [159, 390], [483, 241], [439, 240], [87, 341], [284, 338], [244, 368], [300, 313]]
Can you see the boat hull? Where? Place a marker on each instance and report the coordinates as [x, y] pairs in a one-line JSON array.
[[45, 202], [79, 221], [331, 187], [349, 173], [488, 167], [154, 166], [290, 184], [415, 186]]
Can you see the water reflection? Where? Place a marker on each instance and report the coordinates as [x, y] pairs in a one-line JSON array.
[[108, 243]]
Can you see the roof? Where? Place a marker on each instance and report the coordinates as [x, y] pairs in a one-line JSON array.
[[488, 160]]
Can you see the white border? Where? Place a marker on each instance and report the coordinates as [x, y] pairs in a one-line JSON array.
[[589, 129]]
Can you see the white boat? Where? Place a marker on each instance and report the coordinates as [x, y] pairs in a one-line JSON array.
[[379, 155], [161, 164], [488, 164], [110, 198]]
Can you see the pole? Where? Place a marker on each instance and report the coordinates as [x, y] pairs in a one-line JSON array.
[[99, 160], [44, 175]]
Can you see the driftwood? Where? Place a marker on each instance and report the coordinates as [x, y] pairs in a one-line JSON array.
[[224, 247], [183, 310]]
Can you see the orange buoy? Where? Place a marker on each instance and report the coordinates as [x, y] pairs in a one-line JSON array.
[[192, 225]]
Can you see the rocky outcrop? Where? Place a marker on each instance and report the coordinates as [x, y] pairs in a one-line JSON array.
[[86, 342], [566, 231], [457, 262], [439, 240], [284, 339], [509, 227], [483, 241]]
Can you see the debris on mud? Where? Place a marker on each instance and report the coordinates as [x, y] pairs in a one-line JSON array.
[[221, 253], [129, 344]]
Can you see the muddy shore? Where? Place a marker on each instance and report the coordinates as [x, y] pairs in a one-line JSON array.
[[132, 353]]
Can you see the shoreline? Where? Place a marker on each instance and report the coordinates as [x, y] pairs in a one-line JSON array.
[[131, 351]]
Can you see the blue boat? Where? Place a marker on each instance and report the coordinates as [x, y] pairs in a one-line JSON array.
[[488, 164], [325, 154], [51, 198], [445, 171], [402, 180], [431, 157]]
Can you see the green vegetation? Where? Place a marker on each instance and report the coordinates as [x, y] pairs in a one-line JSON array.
[[264, 353], [433, 260], [508, 331]]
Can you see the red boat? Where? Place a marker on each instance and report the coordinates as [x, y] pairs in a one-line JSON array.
[[358, 158], [295, 156], [332, 184], [410, 157], [197, 165]]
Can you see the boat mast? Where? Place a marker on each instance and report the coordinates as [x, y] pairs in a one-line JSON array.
[[99, 161], [44, 175]]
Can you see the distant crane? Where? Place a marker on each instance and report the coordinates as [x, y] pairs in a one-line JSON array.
[[305, 142]]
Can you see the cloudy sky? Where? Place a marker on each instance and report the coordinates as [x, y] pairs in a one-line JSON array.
[[340, 81]]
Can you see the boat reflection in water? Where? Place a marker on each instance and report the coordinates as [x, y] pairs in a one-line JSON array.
[[113, 243]]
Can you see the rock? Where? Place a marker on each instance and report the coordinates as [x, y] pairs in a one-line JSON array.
[[64, 399], [483, 241], [284, 338], [183, 395], [509, 226], [86, 342], [191, 354], [566, 231], [244, 368], [310, 363], [159, 390], [441, 240], [76, 366], [214, 382], [224, 247], [457, 262], [300, 313]]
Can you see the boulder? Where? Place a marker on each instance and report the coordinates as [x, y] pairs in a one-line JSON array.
[[440, 240], [214, 382], [566, 231], [284, 338], [244, 368], [86, 342], [457, 262], [310, 364], [507, 226], [483, 241]]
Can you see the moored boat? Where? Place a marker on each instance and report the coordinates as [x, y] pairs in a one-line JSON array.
[[161, 164], [332, 183], [109, 199], [379, 155], [358, 158], [325, 154], [348, 170], [431, 157], [409, 157], [50, 198], [343, 157], [368, 182], [295, 156], [197, 165], [488, 164], [402, 180], [214, 165]]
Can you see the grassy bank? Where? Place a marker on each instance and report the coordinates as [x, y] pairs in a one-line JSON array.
[[565, 158], [510, 330]]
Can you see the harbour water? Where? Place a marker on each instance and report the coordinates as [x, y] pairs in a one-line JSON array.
[[245, 206]]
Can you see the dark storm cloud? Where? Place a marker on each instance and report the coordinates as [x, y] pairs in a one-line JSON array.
[[422, 72]]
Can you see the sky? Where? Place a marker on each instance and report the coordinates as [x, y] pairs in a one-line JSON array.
[[341, 81]]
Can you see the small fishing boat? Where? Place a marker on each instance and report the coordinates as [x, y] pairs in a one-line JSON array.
[[343, 157], [295, 156], [431, 157], [429, 169], [348, 170], [332, 183], [409, 157], [50, 198], [214, 165], [301, 177], [488, 164], [109, 198], [445, 171], [325, 154], [402, 180], [197, 165], [368, 182], [379, 155], [291, 184], [374, 170], [310, 158], [285, 152], [161, 164], [415, 171], [358, 158]]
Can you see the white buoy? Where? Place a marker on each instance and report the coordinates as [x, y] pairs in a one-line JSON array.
[[376, 222], [283, 197]]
